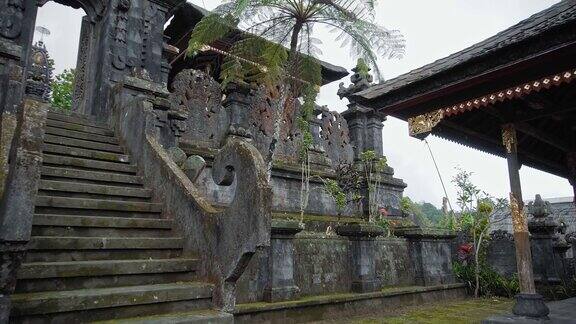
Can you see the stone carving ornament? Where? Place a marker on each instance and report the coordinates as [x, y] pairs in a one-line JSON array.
[[200, 96], [11, 18], [501, 235], [119, 59], [336, 137]]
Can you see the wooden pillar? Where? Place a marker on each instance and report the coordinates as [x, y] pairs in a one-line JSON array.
[[571, 164], [528, 303]]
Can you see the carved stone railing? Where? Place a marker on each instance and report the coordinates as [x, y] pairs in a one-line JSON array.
[[250, 112], [223, 240], [17, 202]]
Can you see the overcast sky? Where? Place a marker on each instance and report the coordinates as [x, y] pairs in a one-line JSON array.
[[433, 29]]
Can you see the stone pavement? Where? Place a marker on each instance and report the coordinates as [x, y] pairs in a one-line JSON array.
[[561, 312]]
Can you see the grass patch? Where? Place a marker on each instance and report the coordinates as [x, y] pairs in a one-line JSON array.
[[469, 311]]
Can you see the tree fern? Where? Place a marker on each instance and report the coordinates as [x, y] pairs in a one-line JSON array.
[[292, 70]]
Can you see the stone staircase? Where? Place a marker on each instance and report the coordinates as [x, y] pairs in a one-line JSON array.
[[100, 249]]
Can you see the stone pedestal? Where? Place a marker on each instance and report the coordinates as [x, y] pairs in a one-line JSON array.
[[542, 234], [430, 254], [281, 284], [238, 104], [362, 252]]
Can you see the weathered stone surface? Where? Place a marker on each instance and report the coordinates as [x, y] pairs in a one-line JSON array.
[[43, 303], [362, 253], [337, 306], [501, 253], [193, 167], [177, 155], [225, 240], [281, 285], [430, 254], [17, 205]]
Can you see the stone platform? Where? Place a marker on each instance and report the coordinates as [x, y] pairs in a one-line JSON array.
[[326, 307], [561, 312]]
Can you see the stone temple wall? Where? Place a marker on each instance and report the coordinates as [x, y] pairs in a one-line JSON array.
[[322, 266], [201, 97]]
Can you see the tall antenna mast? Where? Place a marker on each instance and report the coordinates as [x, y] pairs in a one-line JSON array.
[[43, 31]]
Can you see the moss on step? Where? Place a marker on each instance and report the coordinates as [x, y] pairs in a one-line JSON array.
[[318, 218]]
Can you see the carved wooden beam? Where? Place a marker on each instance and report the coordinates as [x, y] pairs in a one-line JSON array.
[[466, 131]]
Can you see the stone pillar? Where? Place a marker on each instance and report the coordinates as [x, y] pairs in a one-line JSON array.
[[362, 253], [82, 80], [542, 229], [528, 302], [281, 284], [238, 103], [317, 153], [561, 262], [170, 122], [17, 204], [11, 92], [365, 126], [430, 254]]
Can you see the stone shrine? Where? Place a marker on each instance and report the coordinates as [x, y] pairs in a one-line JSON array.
[[150, 201]]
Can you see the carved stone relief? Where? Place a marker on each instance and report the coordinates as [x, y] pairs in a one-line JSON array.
[[119, 59], [11, 18], [200, 96], [336, 138]]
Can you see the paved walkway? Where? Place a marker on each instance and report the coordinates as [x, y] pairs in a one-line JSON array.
[[561, 312]]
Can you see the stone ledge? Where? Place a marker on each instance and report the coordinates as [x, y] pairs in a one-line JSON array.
[[286, 226], [10, 50], [242, 309], [426, 232], [359, 230]]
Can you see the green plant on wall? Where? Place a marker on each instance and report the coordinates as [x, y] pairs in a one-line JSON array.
[[260, 56], [373, 167], [62, 88], [306, 143]]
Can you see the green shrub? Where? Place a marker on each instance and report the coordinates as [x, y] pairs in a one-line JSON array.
[[491, 283]]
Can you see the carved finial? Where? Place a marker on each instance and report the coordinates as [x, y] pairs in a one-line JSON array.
[[39, 73], [361, 79], [539, 208]]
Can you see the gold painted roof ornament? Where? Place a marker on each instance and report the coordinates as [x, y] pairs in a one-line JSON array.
[[420, 126]]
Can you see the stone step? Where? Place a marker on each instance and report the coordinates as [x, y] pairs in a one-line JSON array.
[[39, 243], [207, 316], [79, 128], [71, 114], [112, 301], [81, 135], [42, 270], [91, 255], [73, 142], [76, 119], [102, 222], [98, 204], [85, 153], [88, 163], [85, 188], [95, 282], [105, 177], [71, 231]]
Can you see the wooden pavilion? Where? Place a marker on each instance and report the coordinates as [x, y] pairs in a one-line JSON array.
[[511, 95]]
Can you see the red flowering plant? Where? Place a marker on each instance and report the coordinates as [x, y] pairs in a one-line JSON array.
[[465, 253]]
